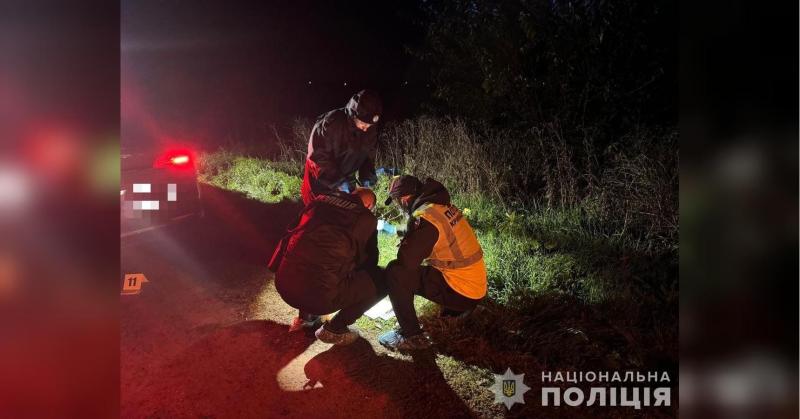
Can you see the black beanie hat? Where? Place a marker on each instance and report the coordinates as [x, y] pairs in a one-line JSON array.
[[366, 105]]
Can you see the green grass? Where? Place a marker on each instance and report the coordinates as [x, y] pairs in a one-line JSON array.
[[257, 178]]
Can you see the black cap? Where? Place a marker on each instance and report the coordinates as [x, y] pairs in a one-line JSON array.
[[402, 186], [366, 105]]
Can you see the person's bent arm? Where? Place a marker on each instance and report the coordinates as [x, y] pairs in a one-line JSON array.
[[366, 173], [417, 245], [321, 153]]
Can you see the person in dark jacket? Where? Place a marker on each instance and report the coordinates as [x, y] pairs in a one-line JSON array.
[[439, 258], [330, 263], [343, 142]]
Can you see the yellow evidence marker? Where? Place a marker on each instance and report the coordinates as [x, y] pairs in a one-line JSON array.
[[132, 284]]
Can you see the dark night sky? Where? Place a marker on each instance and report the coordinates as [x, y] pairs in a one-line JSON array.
[[204, 69]]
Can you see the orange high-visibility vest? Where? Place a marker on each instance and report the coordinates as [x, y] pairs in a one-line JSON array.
[[457, 253]]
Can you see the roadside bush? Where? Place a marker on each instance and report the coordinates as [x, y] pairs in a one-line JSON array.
[[626, 192], [293, 146], [213, 164], [444, 149], [639, 188]]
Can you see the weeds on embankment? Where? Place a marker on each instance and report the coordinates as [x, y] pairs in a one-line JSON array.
[[580, 244]]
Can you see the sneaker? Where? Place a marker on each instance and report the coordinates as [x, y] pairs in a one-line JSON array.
[[305, 323], [343, 338], [395, 341]]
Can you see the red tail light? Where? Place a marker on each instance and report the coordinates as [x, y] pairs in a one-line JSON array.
[[178, 159]]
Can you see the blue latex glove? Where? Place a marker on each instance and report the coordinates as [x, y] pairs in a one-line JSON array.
[[344, 187], [386, 226], [388, 171]]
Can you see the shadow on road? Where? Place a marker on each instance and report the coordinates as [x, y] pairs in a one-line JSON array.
[[414, 389], [233, 373], [228, 373]]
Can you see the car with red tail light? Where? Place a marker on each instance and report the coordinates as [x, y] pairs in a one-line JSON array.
[[157, 189]]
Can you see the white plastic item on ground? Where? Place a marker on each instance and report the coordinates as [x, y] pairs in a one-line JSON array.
[[382, 309]]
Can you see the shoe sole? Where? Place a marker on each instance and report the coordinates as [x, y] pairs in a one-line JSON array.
[[343, 343], [305, 326]]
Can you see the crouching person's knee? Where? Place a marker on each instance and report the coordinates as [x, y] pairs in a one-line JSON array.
[[395, 271], [400, 278], [378, 276]]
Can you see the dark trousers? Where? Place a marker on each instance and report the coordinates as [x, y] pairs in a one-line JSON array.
[[361, 293], [355, 294], [403, 284]]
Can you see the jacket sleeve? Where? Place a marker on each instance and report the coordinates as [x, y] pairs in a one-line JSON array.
[[366, 173], [417, 245], [322, 152]]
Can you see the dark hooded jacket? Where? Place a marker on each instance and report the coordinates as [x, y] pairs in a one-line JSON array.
[[335, 236], [421, 235], [337, 149]]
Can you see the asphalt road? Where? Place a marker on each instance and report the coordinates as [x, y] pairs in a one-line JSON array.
[[208, 335]]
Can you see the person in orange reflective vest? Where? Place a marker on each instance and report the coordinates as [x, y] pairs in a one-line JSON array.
[[439, 258]]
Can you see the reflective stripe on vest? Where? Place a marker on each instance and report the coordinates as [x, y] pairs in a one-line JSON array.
[[456, 258], [454, 264]]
